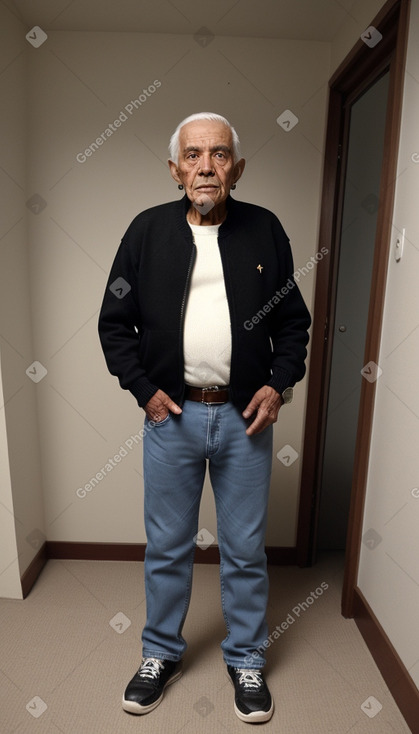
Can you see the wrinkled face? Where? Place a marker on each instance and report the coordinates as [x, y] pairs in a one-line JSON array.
[[206, 166]]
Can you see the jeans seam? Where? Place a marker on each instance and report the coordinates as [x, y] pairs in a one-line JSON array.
[[223, 605], [207, 440]]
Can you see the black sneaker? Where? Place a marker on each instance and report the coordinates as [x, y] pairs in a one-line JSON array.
[[253, 702], [146, 689]]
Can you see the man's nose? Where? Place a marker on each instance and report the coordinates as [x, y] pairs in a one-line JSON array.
[[206, 167]]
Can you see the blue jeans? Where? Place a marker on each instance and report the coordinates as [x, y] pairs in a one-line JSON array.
[[175, 456]]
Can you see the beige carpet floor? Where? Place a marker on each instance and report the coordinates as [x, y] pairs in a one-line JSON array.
[[68, 650]]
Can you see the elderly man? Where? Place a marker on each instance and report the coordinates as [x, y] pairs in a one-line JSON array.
[[202, 321]]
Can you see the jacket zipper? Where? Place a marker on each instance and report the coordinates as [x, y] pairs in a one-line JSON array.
[[226, 274], [182, 314]]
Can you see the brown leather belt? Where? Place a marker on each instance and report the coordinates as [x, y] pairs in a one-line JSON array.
[[213, 395]]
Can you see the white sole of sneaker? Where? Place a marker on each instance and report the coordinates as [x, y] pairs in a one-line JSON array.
[[256, 717], [136, 708]]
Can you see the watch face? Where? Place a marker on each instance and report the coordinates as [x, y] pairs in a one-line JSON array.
[[287, 395]]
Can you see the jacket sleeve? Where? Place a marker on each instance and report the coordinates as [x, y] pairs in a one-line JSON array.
[[120, 325], [290, 323]]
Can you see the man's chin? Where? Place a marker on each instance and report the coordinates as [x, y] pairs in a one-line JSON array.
[[203, 203]]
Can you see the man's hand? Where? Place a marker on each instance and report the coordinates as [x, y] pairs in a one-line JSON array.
[[266, 403], [159, 407]]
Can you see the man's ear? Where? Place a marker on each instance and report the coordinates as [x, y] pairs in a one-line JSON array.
[[238, 169], [174, 171]]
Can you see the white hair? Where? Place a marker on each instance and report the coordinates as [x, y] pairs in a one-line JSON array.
[[213, 117]]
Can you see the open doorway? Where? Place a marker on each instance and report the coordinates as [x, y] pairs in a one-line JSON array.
[[365, 96], [362, 159]]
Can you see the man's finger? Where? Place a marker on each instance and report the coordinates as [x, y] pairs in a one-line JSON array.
[[257, 426], [250, 409], [159, 406], [167, 402], [173, 407]]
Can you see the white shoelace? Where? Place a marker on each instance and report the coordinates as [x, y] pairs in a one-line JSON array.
[[250, 678], [151, 668]]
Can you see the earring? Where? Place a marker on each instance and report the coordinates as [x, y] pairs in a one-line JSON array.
[[180, 187], [233, 186]]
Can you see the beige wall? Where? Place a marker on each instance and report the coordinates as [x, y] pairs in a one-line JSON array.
[[9, 565], [388, 574], [79, 83], [21, 509]]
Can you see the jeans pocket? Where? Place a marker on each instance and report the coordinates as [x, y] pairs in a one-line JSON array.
[[157, 424]]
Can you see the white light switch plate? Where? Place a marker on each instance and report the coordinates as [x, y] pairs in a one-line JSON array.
[[398, 250]]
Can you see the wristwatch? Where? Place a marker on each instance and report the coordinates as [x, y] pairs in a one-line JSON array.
[[287, 395]]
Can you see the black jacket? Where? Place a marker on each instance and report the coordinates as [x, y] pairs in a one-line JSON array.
[[142, 315]]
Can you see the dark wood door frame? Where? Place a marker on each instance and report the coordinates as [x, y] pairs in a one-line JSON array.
[[359, 70]]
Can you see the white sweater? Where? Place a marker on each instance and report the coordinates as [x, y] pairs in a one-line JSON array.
[[207, 333]]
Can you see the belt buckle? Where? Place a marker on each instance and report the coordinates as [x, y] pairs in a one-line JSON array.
[[213, 388]]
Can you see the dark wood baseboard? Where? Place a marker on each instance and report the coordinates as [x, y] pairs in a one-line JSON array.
[[136, 551], [35, 567], [391, 667], [95, 551]]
